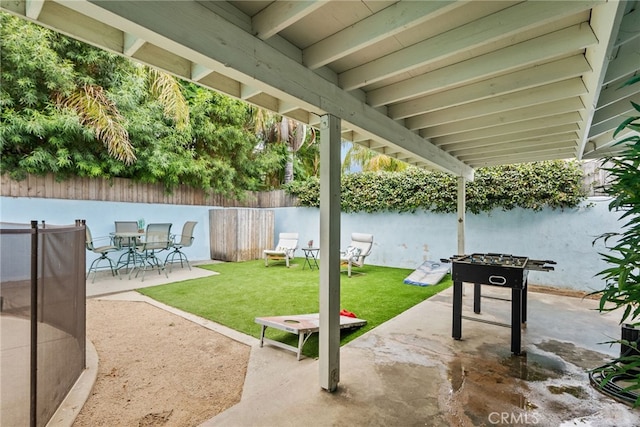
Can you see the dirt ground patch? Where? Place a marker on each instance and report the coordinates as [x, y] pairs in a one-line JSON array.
[[157, 368]]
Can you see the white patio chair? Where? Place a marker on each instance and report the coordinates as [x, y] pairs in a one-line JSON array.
[[355, 254], [285, 249]]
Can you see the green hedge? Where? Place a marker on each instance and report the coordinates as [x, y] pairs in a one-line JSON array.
[[553, 184]]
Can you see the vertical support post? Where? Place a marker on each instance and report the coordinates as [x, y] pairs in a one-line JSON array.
[[329, 339], [33, 371], [462, 207]]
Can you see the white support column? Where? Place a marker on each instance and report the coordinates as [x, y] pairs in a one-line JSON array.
[[462, 207], [329, 351]]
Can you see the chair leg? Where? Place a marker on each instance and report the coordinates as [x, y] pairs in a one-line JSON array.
[[151, 260], [96, 263], [181, 256]]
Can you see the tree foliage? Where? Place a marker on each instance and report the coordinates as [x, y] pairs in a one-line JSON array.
[[554, 184], [74, 110]]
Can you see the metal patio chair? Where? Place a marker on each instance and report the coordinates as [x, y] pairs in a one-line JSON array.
[[103, 251], [156, 239], [186, 239]]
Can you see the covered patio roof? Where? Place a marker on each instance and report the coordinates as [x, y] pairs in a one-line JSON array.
[[444, 85]]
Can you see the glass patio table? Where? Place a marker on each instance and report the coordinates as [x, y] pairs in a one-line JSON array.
[[132, 238]]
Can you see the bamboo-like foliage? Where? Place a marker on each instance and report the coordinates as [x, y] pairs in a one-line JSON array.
[[622, 287]]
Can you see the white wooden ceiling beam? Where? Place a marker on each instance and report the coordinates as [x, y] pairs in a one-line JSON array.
[[281, 14], [535, 96], [615, 93], [522, 114], [551, 72], [198, 72], [604, 19], [615, 110], [562, 153], [468, 37], [33, 8], [131, 44], [626, 62], [379, 26], [610, 123], [248, 92], [566, 119], [531, 152], [628, 28], [513, 147], [511, 58], [512, 137]]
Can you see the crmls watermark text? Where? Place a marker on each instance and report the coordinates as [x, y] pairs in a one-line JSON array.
[[511, 418]]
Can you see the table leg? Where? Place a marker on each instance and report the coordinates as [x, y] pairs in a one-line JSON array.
[[262, 335], [457, 310], [516, 320], [477, 294]]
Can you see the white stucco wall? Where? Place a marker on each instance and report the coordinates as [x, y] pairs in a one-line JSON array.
[[400, 240], [406, 240]]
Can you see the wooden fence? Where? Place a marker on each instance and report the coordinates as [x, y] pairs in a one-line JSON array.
[[125, 190]]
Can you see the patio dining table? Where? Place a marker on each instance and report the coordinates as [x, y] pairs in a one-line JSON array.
[[132, 238]]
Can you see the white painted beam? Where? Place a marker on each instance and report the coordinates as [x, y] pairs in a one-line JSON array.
[[605, 18], [33, 8], [551, 72], [131, 44], [514, 57], [379, 26], [483, 31], [281, 14], [565, 120], [454, 148], [198, 72], [535, 96], [546, 110]]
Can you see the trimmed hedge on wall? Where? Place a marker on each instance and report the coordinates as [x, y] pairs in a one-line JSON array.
[[554, 184]]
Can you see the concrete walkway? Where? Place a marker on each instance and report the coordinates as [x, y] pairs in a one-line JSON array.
[[409, 371]]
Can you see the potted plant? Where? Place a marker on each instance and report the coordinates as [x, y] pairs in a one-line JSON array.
[[622, 277]]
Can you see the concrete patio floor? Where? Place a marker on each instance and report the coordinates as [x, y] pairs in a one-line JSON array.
[[409, 371]]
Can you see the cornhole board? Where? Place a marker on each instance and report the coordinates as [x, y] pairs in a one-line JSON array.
[[429, 273], [303, 325]]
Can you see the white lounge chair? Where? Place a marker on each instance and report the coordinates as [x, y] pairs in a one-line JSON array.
[[355, 254], [285, 249]]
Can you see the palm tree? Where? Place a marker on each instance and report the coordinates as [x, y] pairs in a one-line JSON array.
[[370, 161], [271, 128], [97, 111]]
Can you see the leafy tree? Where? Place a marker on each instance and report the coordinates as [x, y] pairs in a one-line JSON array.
[[281, 136], [72, 109], [370, 161]]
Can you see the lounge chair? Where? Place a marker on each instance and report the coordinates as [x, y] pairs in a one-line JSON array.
[[285, 249], [355, 254]]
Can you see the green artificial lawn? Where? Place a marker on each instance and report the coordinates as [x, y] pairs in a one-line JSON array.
[[246, 290]]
